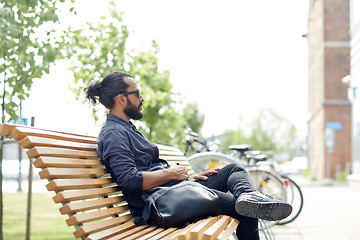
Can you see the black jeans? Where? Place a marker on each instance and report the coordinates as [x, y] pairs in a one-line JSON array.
[[234, 179]]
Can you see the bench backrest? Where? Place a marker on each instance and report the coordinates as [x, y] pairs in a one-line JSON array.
[[88, 194]]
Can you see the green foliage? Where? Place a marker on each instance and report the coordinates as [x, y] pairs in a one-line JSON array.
[[101, 49], [264, 130], [96, 51], [268, 132], [232, 137], [165, 121], [157, 92], [28, 46], [341, 176], [193, 117], [310, 174]]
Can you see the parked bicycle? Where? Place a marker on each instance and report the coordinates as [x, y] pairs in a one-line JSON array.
[[263, 180], [263, 173], [194, 143], [294, 195]]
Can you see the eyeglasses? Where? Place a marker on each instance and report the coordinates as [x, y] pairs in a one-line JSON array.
[[137, 92]]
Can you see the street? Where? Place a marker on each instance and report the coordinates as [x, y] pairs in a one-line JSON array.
[[329, 212]]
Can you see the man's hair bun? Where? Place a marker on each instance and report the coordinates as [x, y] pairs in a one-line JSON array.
[[94, 91]]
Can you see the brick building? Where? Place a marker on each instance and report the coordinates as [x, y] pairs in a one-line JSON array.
[[354, 90], [329, 136]]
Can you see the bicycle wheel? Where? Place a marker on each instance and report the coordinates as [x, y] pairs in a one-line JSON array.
[[269, 183], [203, 161], [295, 198]]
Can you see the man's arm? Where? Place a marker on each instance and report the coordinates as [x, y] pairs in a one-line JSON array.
[[160, 177]]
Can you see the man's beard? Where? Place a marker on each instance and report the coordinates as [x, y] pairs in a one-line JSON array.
[[132, 111]]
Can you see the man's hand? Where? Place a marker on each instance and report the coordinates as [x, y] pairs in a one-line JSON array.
[[203, 175], [159, 177], [178, 172]]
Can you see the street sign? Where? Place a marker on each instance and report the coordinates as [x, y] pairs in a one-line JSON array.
[[335, 125]]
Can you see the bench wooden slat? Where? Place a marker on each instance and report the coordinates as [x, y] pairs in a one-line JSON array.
[[229, 230], [112, 231], [139, 234], [95, 215], [187, 165], [129, 232], [51, 173], [216, 229], [163, 234], [36, 152], [175, 158], [69, 184], [197, 232], [32, 141], [153, 233], [44, 161], [6, 129], [19, 133], [170, 153], [184, 234], [95, 227], [168, 148], [67, 196], [74, 207]]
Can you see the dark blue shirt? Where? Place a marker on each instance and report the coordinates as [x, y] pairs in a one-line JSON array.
[[126, 153]]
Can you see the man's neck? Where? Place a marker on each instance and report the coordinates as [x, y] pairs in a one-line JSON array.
[[120, 114]]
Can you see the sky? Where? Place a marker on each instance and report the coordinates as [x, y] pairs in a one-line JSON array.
[[232, 57]]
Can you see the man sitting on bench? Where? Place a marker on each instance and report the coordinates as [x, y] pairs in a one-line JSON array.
[[127, 155]]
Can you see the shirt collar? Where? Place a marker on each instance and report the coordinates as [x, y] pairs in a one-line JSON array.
[[112, 117]]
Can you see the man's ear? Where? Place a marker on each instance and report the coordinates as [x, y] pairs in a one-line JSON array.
[[121, 99], [117, 98]]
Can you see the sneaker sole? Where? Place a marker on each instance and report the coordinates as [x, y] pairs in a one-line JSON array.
[[267, 211]]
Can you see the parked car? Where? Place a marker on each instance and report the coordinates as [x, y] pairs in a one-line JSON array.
[[296, 165]]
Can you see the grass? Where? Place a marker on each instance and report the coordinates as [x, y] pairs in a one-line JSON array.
[[46, 220]]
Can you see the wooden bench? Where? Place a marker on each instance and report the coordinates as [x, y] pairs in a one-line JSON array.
[[89, 196]]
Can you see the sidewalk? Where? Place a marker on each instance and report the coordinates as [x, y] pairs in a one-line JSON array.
[[329, 212]]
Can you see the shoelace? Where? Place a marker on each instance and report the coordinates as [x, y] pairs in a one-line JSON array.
[[266, 195]]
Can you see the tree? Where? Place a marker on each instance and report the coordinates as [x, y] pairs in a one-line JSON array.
[[232, 137], [28, 47], [157, 91], [193, 117], [268, 132], [97, 50], [101, 49]]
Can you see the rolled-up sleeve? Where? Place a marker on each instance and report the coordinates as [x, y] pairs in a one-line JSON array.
[[118, 156]]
